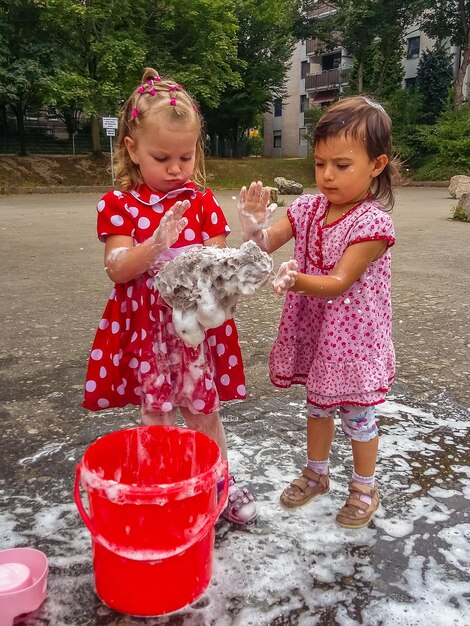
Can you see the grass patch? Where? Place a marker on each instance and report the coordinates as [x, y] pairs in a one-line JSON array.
[[233, 173]]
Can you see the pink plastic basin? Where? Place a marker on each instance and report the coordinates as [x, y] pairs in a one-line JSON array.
[[23, 582]]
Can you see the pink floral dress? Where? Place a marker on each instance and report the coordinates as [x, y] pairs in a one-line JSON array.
[[340, 349], [136, 357]]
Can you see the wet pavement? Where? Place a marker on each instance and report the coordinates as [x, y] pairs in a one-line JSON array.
[[410, 567]]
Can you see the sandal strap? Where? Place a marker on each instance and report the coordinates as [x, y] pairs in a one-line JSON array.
[[367, 490], [303, 480], [357, 504]]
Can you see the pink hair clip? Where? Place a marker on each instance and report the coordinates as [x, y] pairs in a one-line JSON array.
[[135, 113], [173, 102], [152, 91], [150, 81], [171, 87], [141, 89]]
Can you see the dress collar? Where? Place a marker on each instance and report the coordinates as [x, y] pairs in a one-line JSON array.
[[144, 194]]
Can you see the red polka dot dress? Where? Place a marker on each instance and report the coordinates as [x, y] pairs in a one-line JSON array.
[[341, 348], [136, 357]]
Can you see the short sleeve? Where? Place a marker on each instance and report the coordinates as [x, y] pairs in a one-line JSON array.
[[213, 221], [114, 216], [300, 211], [373, 225]]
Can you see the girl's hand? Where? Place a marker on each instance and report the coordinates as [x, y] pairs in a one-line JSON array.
[[171, 225], [286, 277], [253, 210]]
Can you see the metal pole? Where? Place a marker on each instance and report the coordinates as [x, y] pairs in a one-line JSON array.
[[112, 160]]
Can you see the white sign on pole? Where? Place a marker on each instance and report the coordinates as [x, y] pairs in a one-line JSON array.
[[110, 122], [111, 132]]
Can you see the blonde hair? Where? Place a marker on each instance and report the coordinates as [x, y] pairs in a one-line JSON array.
[[170, 101], [362, 117]]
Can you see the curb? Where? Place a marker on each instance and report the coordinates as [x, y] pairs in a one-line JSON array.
[[11, 191]]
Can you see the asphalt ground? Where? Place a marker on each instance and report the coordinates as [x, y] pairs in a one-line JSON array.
[[54, 291]]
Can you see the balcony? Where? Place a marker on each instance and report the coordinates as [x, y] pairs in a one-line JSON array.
[[330, 79]]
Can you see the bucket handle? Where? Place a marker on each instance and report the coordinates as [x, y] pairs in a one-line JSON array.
[[151, 555]]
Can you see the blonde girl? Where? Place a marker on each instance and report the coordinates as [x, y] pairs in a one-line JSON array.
[[156, 212]]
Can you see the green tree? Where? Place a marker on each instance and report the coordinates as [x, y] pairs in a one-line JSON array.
[[265, 44], [362, 27], [450, 19], [195, 41], [25, 60], [434, 79]]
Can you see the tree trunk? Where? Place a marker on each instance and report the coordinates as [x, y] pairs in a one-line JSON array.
[[95, 136], [360, 76], [21, 132], [459, 81]]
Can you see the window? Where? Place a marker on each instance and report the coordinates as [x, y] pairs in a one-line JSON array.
[[304, 69], [410, 83], [277, 107], [277, 139], [413, 48], [331, 62], [303, 104]]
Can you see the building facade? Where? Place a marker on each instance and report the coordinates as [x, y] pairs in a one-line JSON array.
[[317, 80]]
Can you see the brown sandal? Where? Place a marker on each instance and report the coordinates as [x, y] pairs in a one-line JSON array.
[[356, 513], [299, 491]]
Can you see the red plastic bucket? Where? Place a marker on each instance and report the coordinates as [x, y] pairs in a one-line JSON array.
[[152, 496]]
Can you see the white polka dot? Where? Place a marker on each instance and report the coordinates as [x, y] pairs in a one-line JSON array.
[[220, 349], [117, 220], [212, 340], [115, 326], [148, 398], [158, 208], [103, 372], [166, 406], [228, 330], [96, 354], [154, 198], [133, 363], [143, 334], [232, 361], [199, 405], [121, 390], [100, 206], [124, 307], [116, 360], [143, 223], [241, 390], [134, 336], [90, 385], [208, 384], [163, 348], [112, 295], [145, 367], [104, 323], [205, 236], [129, 291], [160, 380], [225, 380], [133, 210], [118, 194], [103, 403], [214, 217], [152, 299], [135, 306], [138, 391], [149, 283], [189, 234], [128, 323]]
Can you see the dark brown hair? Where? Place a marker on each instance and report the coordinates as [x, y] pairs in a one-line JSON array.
[[363, 118], [162, 97]]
